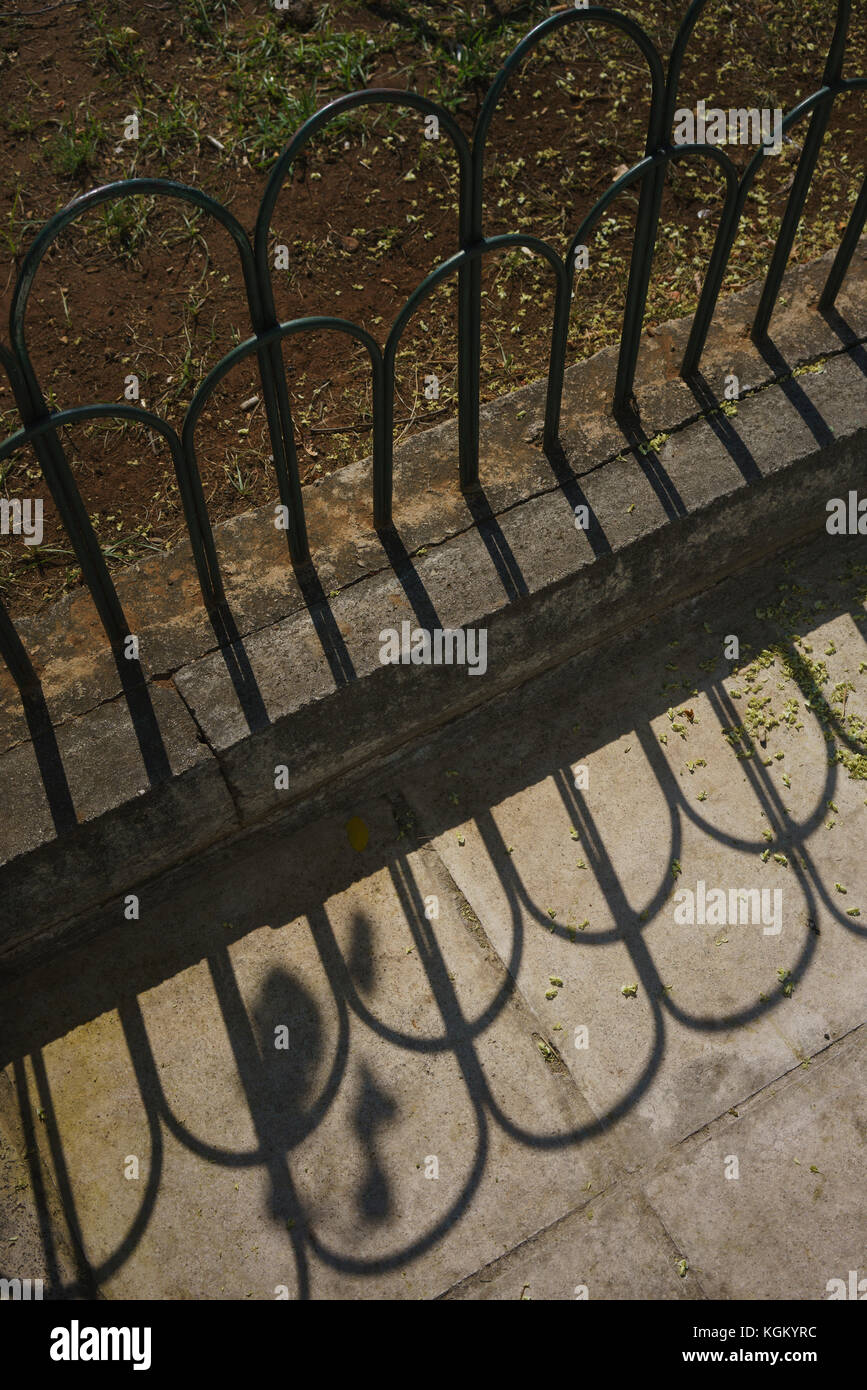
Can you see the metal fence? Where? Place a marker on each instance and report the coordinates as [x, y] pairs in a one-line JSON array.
[[41, 426]]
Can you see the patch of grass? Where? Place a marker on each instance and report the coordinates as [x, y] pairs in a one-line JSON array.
[[124, 225], [116, 47], [73, 150], [165, 131], [206, 21]]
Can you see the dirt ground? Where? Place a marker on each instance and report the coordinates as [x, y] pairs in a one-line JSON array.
[[152, 288]]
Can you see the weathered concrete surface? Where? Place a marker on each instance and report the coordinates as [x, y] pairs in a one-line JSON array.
[[567, 599], [161, 595], [412, 1037], [330, 1134], [33, 1243], [614, 1248], [303, 686], [98, 807], [795, 1217]]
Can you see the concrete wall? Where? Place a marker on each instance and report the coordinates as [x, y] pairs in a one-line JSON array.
[[105, 788]]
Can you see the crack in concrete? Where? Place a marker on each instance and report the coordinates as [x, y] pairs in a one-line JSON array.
[[632, 1182], [202, 737]]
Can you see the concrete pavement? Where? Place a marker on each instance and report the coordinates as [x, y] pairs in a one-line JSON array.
[[486, 1055]]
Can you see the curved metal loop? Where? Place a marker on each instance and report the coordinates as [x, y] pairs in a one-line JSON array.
[[648, 209], [12, 648], [9, 363], [273, 381], [123, 188], [467, 263], [548, 26], [189, 484], [372, 96], [719, 256], [270, 341], [823, 96], [263, 340], [831, 79], [455, 263], [833, 63], [290, 488], [727, 231], [75, 413], [40, 425]]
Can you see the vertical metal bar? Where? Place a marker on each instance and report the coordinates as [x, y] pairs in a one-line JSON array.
[[67, 499], [643, 246], [470, 293], [469, 368], [278, 413], [791, 219], [198, 525], [72, 510], [803, 175], [34, 411], [722, 246], [709, 294], [11, 646], [651, 191], [846, 250], [470, 327], [644, 241], [557, 362], [276, 392], [61, 484], [470, 217], [383, 438], [641, 262], [275, 387]]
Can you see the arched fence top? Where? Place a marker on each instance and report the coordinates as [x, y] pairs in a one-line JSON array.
[[833, 63], [41, 425], [457, 263], [77, 413], [122, 188], [542, 30], [314, 323], [192, 499], [372, 96], [661, 157]]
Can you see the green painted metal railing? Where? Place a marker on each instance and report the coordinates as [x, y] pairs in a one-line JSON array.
[[41, 426]]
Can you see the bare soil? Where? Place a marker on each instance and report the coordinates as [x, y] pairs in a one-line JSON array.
[[153, 288]]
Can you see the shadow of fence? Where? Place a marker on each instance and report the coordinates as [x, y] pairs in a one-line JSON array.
[[285, 1103]]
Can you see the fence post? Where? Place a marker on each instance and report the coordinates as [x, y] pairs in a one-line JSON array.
[[641, 263], [61, 484], [845, 251], [803, 175]]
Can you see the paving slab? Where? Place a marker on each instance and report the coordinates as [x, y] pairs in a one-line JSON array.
[[615, 1248], [581, 885], [388, 1052], [771, 1203], [379, 1143]]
